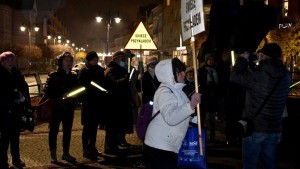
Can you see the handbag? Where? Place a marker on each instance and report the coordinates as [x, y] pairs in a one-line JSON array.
[[246, 126], [189, 152], [26, 117], [44, 109]]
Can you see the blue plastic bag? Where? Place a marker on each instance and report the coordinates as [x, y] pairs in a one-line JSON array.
[[189, 153]]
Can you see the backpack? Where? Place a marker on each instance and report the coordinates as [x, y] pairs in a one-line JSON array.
[[144, 118]]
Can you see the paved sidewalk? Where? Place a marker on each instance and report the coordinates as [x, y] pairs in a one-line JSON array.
[[34, 148], [35, 153]]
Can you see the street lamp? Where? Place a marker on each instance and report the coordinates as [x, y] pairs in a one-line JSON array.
[[108, 21], [29, 28], [50, 37]]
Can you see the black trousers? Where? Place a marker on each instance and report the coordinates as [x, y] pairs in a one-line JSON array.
[[66, 118], [89, 135], [9, 135], [112, 134], [161, 159]]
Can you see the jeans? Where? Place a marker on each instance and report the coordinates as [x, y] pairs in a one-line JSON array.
[[261, 146]]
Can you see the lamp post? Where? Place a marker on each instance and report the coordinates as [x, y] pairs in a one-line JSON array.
[[29, 28], [108, 22], [50, 37]]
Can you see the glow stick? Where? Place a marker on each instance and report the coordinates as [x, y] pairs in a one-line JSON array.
[[232, 58], [98, 86], [131, 73], [75, 92], [294, 84]]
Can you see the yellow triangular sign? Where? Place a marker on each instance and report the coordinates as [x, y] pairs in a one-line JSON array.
[[141, 39]]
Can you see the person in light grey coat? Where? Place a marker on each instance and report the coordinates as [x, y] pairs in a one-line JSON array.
[[167, 130]]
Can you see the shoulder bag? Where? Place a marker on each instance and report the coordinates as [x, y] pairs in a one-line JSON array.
[[44, 109]]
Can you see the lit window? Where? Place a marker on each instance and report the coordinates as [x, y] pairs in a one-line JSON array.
[[168, 2], [285, 5], [266, 2]]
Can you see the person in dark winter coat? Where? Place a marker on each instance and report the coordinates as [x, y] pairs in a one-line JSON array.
[[13, 91], [92, 113], [59, 83], [269, 76], [212, 94], [119, 120], [133, 78], [149, 81]]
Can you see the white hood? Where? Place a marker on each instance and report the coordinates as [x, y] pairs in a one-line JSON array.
[[164, 72]]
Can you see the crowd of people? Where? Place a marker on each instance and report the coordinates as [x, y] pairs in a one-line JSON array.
[[170, 85]]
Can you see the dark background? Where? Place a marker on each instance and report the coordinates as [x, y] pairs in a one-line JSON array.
[[79, 16]]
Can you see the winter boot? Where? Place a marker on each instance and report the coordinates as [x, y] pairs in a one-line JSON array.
[[53, 156], [66, 156]]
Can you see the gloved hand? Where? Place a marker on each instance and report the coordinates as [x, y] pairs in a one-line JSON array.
[[194, 120], [195, 99]]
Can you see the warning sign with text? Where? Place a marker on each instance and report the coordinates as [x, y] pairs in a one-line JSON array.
[[141, 39]]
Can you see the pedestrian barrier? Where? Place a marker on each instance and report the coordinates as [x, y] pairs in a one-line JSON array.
[[36, 83]]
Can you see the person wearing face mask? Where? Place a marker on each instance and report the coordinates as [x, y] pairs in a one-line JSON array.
[[149, 81], [59, 83], [123, 64], [119, 115], [212, 100], [92, 98]]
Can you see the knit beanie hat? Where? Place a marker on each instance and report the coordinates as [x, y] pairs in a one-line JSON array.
[[272, 50], [152, 60], [209, 56], [118, 54], [6, 55], [91, 55], [189, 69]]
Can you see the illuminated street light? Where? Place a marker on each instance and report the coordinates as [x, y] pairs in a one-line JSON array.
[[29, 28], [108, 22], [49, 37]]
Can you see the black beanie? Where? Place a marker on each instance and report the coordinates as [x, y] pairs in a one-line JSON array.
[[272, 50], [91, 55]]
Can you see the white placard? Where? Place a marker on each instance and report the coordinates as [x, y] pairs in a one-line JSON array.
[[192, 18]]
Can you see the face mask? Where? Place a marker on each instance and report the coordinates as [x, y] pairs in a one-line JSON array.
[[190, 79], [151, 72], [122, 64]]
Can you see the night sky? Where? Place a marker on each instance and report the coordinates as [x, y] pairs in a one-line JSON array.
[[79, 16]]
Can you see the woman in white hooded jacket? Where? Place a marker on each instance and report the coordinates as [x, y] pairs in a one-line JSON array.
[[167, 130]]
